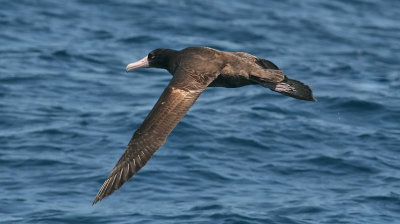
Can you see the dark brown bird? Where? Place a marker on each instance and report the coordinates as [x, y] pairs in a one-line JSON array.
[[193, 70]]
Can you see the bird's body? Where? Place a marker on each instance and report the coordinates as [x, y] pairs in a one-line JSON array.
[[193, 70]]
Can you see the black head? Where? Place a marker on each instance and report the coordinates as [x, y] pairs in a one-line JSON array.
[[158, 58]]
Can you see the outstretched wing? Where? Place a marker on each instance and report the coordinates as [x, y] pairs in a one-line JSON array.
[[274, 79], [182, 91], [259, 61], [244, 66]]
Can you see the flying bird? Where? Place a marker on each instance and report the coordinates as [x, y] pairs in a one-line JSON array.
[[193, 70]]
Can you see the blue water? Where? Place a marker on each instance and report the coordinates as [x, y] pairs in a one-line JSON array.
[[245, 155]]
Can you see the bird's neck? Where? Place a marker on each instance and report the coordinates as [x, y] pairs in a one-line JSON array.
[[170, 59]]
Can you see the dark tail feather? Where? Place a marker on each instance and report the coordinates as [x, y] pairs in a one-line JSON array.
[[294, 88]]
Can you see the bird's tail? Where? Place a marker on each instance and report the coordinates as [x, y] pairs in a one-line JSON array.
[[293, 88]]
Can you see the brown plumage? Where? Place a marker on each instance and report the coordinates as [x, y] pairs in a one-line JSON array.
[[193, 70]]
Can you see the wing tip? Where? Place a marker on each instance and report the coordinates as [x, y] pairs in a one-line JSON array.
[[98, 197], [111, 184], [95, 201], [102, 192]]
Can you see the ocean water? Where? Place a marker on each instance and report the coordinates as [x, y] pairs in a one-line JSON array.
[[244, 155]]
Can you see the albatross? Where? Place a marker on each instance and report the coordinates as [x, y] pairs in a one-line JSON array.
[[193, 70]]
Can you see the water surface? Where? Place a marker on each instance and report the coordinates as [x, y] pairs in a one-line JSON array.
[[245, 155]]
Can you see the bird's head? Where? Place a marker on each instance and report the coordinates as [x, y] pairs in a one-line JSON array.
[[158, 58]]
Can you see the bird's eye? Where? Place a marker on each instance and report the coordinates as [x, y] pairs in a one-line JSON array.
[[151, 56]]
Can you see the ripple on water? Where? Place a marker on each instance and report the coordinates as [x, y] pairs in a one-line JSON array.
[[245, 155]]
